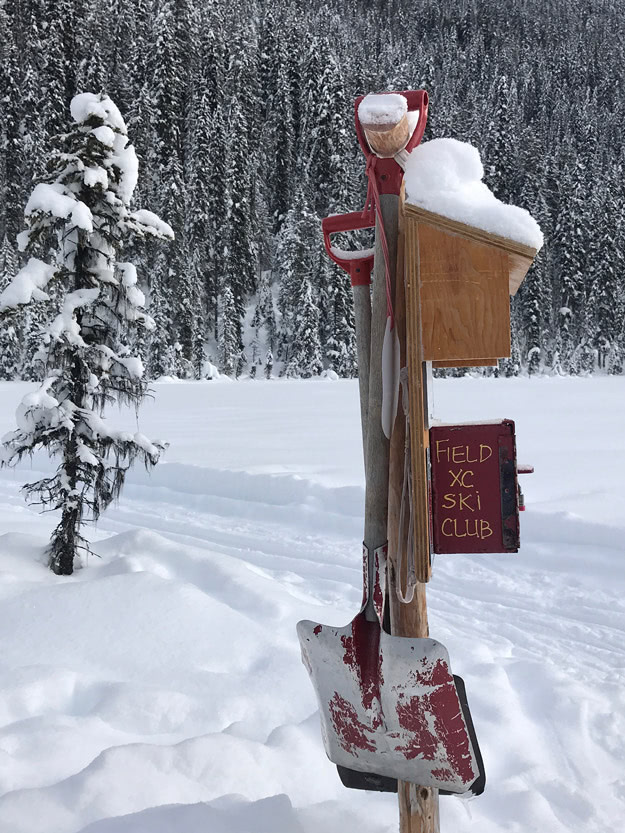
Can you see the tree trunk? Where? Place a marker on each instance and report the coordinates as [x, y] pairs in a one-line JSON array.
[[66, 538], [65, 541]]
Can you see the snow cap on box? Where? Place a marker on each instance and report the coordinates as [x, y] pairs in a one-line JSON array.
[[444, 176]]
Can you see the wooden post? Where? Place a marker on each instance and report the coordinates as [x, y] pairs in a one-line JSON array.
[[418, 806]]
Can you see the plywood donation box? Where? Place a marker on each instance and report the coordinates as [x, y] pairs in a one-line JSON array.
[[461, 279]]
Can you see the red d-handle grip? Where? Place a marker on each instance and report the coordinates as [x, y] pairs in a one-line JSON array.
[[388, 174], [417, 100], [359, 263]]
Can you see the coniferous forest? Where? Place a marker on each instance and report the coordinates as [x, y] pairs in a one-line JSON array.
[[241, 113]]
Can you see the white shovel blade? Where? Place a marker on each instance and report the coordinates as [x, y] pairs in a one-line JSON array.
[[388, 704]]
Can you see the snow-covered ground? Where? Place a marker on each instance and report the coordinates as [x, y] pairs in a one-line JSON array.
[[160, 689]]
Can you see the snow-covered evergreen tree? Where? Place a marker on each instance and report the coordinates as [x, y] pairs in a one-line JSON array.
[[327, 147], [11, 168], [606, 302], [282, 129], [531, 306], [572, 227], [337, 312], [305, 355], [298, 254], [10, 329], [264, 318], [235, 103], [240, 261], [217, 209], [195, 299], [84, 205], [229, 335], [160, 339]]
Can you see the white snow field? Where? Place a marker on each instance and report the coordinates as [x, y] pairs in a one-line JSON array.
[[160, 688]]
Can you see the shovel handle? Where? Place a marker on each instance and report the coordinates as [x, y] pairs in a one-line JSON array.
[[359, 263], [378, 446]]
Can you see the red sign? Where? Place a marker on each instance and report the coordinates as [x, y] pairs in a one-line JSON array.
[[474, 488]]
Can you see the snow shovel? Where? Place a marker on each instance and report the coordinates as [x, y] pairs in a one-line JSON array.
[[389, 705]]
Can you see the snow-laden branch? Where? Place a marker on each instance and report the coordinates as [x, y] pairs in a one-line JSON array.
[[148, 224], [65, 325], [57, 201], [27, 285]]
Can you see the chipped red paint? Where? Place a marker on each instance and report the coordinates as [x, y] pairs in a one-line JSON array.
[[350, 731], [422, 743], [440, 674], [362, 655], [450, 728], [447, 738], [317, 630], [430, 676], [443, 774]]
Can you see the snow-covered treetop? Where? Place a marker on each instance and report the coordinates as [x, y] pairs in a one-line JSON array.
[[98, 115], [86, 105], [85, 202], [99, 157], [445, 176], [383, 108]]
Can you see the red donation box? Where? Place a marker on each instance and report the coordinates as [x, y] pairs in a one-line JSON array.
[[474, 488]]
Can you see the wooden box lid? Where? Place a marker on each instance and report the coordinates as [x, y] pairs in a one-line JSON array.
[[520, 256]]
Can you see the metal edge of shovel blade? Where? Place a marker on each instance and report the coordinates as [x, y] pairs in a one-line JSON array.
[[354, 780]]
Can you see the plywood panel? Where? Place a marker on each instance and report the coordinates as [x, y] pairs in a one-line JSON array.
[[520, 256], [519, 264], [465, 304], [419, 433], [467, 363]]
